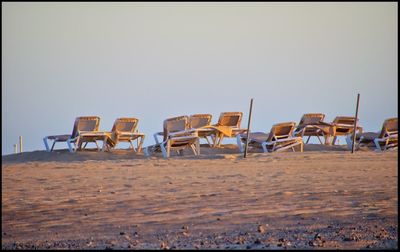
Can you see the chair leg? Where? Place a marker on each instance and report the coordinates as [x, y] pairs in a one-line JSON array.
[[327, 139], [108, 147], [70, 146], [377, 145], [168, 149], [131, 146], [156, 138], [213, 138], [193, 149], [79, 146], [334, 140], [52, 146], [208, 141], [319, 139], [46, 144], [308, 139], [198, 146], [221, 136], [349, 141], [239, 143], [386, 144], [103, 148], [139, 148], [264, 146], [163, 150]]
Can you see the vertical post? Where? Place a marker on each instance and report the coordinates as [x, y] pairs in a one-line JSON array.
[[15, 149], [20, 144], [355, 125], [248, 129]]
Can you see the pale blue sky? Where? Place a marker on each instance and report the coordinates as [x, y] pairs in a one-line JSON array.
[[158, 60]]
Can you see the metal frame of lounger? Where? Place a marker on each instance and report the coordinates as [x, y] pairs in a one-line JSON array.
[[72, 139]]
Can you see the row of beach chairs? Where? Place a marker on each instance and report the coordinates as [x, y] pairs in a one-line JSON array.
[[86, 130], [184, 132]]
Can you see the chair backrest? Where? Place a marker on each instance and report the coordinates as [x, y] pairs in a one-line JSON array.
[[390, 126], [231, 119], [281, 130], [199, 120], [345, 120], [311, 118], [85, 123], [125, 124], [174, 124]]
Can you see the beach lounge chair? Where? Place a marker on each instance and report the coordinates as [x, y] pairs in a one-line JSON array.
[[123, 130], [199, 123], [342, 126], [81, 124], [176, 136], [386, 138], [228, 126], [312, 124], [279, 138]]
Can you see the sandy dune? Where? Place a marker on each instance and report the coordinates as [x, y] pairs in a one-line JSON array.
[[325, 197]]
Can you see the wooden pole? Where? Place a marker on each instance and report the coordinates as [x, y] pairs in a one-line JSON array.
[[20, 144], [355, 125], [248, 129]]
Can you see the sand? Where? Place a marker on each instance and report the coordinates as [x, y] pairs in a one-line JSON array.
[[323, 198]]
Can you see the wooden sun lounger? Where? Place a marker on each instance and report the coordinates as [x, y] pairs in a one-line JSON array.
[[124, 130], [228, 126], [176, 136], [81, 124], [279, 138], [312, 124], [385, 139], [200, 122], [342, 126]]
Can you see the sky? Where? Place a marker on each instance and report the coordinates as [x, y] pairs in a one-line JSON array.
[[163, 59]]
